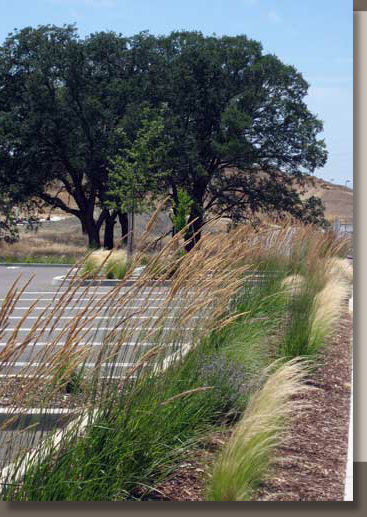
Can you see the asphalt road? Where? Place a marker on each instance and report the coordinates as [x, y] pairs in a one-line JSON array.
[[133, 320], [42, 280], [41, 296]]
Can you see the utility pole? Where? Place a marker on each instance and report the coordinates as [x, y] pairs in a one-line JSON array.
[[130, 235], [130, 224]]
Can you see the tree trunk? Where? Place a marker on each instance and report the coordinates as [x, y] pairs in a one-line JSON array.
[[90, 227], [194, 233], [108, 231], [124, 223], [84, 229]]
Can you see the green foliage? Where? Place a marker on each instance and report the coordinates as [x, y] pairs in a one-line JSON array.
[[8, 229], [135, 177], [10, 205], [61, 101], [45, 259], [222, 119], [116, 268], [147, 427], [297, 340], [238, 129], [179, 219]]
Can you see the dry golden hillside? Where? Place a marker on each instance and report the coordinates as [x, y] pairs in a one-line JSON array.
[[338, 199], [63, 238]]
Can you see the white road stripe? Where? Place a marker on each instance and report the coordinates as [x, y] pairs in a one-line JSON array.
[[101, 308], [59, 329], [114, 317], [57, 292], [22, 364], [35, 411], [35, 375], [86, 343], [101, 290], [94, 298]]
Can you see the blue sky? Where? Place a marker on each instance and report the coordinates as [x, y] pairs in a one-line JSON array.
[[316, 36]]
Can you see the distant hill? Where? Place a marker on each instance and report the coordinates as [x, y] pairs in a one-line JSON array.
[[338, 199]]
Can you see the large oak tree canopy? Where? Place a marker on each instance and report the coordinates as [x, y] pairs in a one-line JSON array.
[[238, 130], [243, 133], [60, 102]]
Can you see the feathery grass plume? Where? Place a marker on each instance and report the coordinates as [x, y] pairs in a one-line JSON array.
[[293, 284], [336, 267], [245, 459], [296, 245], [117, 264], [193, 302], [114, 263], [326, 311], [153, 336], [93, 263]]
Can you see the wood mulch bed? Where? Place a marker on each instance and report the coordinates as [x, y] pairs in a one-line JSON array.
[[312, 466]]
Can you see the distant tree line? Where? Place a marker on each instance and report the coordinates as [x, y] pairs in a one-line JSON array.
[[113, 120]]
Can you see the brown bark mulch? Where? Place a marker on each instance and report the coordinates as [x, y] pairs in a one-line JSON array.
[[312, 466], [317, 456]]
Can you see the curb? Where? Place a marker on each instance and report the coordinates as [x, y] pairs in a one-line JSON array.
[[46, 419], [58, 280], [14, 471], [348, 482]]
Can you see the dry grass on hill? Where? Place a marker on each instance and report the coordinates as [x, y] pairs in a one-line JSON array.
[[56, 239], [64, 238], [338, 199]]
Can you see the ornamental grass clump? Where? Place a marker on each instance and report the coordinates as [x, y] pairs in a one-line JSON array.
[[245, 460], [134, 371], [108, 263], [326, 311], [117, 265], [293, 285], [163, 360], [340, 268]]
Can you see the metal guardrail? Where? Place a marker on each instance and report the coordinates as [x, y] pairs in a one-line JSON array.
[[342, 226]]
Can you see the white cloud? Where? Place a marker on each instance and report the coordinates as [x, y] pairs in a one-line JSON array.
[[274, 17]]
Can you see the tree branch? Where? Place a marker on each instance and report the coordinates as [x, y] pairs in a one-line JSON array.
[[58, 203]]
